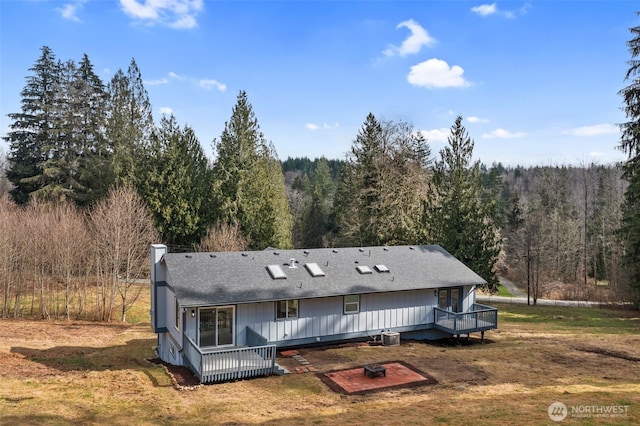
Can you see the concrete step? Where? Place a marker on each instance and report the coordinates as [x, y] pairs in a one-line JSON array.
[[280, 370]]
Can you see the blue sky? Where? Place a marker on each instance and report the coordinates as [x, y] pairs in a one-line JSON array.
[[536, 81]]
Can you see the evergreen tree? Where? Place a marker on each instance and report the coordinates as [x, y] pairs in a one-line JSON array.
[[76, 164], [368, 154], [315, 216], [95, 153], [248, 185], [630, 144], [129, 125], [58, 139], [30, 131], [56, 178], [343, 217], [381, 190], [458, 216], [177, 184]]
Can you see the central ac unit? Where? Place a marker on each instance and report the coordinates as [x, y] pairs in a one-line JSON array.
[[390, 338]]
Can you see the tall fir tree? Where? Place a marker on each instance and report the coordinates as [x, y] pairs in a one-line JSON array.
[[380, 193], [58, 139], [76, 164], [459, 217], [315, 216], [630, 144], [129, 125], [176, 187], [30, 130], [248, 183], [368, 152], [94, 151]]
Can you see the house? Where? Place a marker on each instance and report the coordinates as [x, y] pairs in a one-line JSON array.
[[225, 314]]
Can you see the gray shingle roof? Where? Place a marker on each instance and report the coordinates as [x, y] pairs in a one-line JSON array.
[[201, 279]]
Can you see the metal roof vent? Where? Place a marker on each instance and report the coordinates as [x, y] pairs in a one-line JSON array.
[[364, 269], [276, 272], [292, 263], [314, 269], [381, 268]]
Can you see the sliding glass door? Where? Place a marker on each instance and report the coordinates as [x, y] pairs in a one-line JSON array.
[[216, 326]]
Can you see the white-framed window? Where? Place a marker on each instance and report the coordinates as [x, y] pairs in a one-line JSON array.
[[177, 324], [352, 304], [287, 309]]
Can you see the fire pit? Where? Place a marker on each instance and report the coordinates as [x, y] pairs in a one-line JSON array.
[[375, 370]]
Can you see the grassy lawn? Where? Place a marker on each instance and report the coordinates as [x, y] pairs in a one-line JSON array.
[[85, 373], [502, 291]]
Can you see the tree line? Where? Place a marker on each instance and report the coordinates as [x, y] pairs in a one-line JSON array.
[[76, 141]]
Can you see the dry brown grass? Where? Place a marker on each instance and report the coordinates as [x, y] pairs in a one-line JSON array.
[[88, 373]]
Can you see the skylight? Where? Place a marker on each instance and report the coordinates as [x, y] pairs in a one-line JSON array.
[[276, 272], [314, 269], [381, 268], [363, 269]]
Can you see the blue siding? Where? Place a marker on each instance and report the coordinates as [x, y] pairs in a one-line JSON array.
[[324, 317]]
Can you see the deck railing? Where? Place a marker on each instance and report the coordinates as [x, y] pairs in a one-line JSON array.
[[478, 318], [232, 363]]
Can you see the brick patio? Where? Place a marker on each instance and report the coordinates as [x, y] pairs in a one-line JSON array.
[[354, 381]]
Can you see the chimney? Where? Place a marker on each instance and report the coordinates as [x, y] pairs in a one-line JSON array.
[[157, 275]]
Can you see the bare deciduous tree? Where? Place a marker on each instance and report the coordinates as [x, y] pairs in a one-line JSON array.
[[122, 231], [9, 252], [223, 237], [69, 243]]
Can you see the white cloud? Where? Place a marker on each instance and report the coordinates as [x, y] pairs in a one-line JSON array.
[[178, 14], [436, 73], [156, 82], [485, 9], [500, 133], [166, 110], [419, 37], [492, 9], [474, 119], [212, 84], [70, 10], [441, 134], [596, 154], [597, 129], [325, 126], [205, 83]]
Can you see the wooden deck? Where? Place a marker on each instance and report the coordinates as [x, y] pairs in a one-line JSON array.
[[232, 363], [478, 318]]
